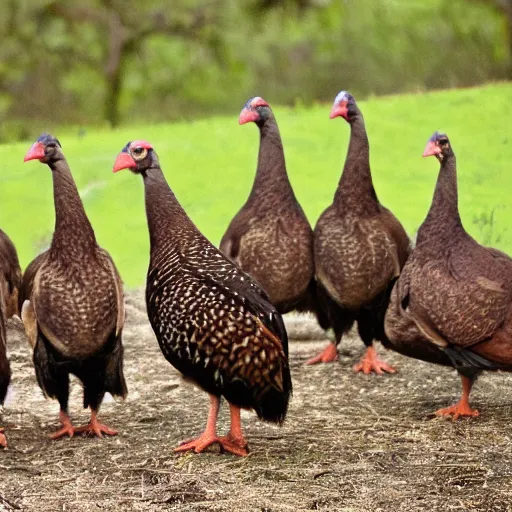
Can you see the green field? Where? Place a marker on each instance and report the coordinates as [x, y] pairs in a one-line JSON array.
[[210, 165]]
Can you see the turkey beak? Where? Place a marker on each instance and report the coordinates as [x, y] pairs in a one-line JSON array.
[[248, 115], [339, 110], [431, 149], [36, 152], [123, 161]]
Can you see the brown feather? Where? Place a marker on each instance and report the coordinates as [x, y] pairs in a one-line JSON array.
[[404, 336], [270, 237], [457, 292], [10, 275], [359, 245], [72, 300], [212, 321], [28, 317], [73, 287]]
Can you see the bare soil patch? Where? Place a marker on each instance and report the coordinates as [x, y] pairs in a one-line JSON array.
[[351, 442]]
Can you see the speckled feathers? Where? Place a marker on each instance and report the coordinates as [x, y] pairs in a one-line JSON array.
[[212, 321]]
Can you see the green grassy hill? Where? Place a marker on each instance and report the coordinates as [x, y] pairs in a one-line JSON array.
[[210, 165]]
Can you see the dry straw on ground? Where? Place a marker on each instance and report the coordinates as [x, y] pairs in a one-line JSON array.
[[351, 442]]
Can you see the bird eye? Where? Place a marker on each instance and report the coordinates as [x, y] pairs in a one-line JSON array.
[[139, 153], [443, 141]]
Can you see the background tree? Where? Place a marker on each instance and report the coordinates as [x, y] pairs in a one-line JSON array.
[[97, 61], [122, 32], [504, 8]]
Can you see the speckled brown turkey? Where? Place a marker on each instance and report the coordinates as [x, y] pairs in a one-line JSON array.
[[454, 296], [213, 323], [359, 247], [72, 303], [270, 237], [10, 275]]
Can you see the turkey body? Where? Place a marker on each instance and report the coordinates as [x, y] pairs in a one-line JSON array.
[[454, 295], [219, 331], [270, 238], [72, 305], [276, 249], [213, 322], [359, 249], [359, 253]]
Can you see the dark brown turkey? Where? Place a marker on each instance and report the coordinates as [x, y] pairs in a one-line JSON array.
[[452, 304], [360, 248], [270, 237], [72, 300], [212, 322], [10, 275]]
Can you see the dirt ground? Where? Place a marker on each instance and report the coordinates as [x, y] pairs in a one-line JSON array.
[[350, 443]]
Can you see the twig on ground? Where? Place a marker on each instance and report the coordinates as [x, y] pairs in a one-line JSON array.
[[9, 503]]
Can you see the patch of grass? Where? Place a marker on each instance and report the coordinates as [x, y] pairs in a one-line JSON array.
[[210, 165]]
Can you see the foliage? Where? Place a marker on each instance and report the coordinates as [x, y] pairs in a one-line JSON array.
[[112, 60], [210, 166]]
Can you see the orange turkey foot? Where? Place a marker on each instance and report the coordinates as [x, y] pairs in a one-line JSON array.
[[461, 408], [95, 428], [371, 363], [3, 439], [198, 445], [328, 355], [234, 445], [67, 428], [228, 444]]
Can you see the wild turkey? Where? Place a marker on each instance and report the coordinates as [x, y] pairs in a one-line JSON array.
[[270, 237], [212, 322], [72, 299], [10, 275], [454, 295], [360, 248]]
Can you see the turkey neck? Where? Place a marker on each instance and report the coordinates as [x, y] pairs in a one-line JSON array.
[[169, 225], [73, 237], [271, 183], [443, 219], [355, 189]]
